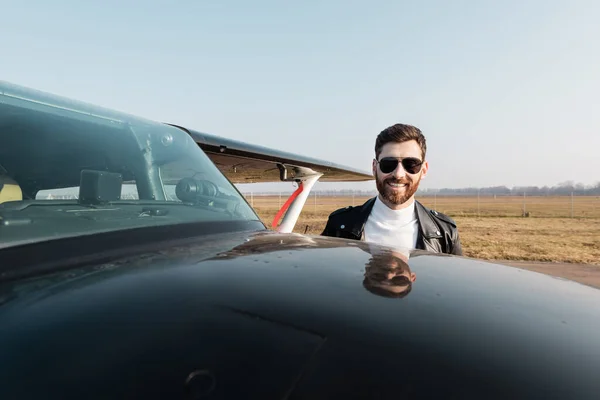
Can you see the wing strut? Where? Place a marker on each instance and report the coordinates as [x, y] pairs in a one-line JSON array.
[[295, 202], [287, 204]]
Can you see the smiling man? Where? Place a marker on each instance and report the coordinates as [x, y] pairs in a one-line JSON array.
[[394, 217]]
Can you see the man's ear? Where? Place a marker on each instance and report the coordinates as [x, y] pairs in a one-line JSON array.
[[424, 169], [374, 168]]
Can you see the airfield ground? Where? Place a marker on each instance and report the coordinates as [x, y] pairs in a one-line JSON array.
[[561, 236]]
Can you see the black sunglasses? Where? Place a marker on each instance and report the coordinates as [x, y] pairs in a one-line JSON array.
[[412, 165]]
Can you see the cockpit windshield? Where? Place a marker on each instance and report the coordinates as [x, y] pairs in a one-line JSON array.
[[68, 168]]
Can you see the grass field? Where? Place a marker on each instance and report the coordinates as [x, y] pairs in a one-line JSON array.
[[491, 229]]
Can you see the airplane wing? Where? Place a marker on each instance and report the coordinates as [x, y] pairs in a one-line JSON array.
[[249, 163]]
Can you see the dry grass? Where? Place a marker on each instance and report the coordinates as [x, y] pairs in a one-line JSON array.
[[498, 233], [513, 206], [570, 240]]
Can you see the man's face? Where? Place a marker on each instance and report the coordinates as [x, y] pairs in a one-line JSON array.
[[398, 186], [388, 274]]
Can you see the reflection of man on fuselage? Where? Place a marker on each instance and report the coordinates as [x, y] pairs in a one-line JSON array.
[[387, 273]]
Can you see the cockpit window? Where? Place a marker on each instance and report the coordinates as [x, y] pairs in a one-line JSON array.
[[69, 168]]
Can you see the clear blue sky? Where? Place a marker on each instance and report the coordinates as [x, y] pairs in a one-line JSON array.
[[506, 92]]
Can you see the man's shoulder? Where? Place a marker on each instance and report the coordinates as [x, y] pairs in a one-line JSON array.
[[443, 217], [343, 212], [439, 216], [349, 210]]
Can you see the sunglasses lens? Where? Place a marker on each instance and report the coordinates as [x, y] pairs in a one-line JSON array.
[[387, 165], [411, 165]]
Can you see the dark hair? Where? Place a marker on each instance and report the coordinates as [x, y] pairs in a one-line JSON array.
[[400, 133], [387, 293]]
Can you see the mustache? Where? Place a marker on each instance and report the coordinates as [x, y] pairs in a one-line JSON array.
[[399, 181]]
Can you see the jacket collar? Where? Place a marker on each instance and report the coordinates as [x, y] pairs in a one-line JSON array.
[[429, 228], [358, 227]]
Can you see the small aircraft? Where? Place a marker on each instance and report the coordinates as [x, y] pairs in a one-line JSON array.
[[132, 267]]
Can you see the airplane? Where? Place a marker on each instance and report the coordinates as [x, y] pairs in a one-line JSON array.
[[132, 267]]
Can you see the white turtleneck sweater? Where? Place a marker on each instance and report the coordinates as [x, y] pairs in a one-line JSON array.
[[395, 228]]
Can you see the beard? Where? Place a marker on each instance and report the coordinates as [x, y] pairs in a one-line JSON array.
[[394, 196]]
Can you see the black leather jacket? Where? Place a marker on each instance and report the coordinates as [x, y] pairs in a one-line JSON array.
[[437, 232]]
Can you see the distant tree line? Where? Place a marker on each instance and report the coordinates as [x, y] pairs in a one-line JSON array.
[[562, 189]]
